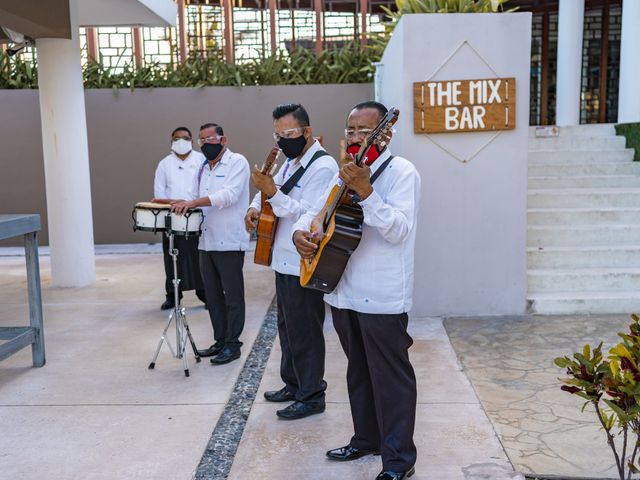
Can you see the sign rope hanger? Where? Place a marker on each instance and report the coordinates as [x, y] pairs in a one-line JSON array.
[[454, 106]]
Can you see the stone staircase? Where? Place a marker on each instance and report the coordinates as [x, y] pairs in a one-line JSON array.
[[584, 223]]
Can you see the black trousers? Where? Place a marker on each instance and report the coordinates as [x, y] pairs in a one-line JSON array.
[[224, 289], [381, 384], [300, 321], [188, 266]]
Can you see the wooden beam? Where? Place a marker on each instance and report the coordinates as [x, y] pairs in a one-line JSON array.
[[604, 64], [544, 71], [183, 39], [364, 9], [92, 44], [227, 12], [318, 8], [138, 48], [272, 25]]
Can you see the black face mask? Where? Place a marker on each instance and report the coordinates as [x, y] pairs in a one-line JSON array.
[[211, 150], [292, 147]]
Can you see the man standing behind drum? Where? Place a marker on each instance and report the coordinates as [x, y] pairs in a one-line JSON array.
[[173, 180], [221, 189]]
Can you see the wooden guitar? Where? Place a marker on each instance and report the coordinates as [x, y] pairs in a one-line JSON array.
[[267, 222], [338, 226]]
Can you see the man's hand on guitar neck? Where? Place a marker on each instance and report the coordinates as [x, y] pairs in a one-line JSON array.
[[263, 182], [357, 179]]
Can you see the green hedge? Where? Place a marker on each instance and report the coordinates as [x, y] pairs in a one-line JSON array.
[[348, 64], [631, 131]]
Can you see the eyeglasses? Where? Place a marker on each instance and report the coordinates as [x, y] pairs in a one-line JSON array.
[[351, 132], [211, 139], [289, 133]]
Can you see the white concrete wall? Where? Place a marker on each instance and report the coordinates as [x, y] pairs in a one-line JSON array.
[[471, 243]]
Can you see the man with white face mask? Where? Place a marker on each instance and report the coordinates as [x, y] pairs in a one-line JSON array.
[[174, 177]]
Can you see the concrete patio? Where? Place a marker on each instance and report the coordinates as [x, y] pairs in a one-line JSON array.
[[95, 411]]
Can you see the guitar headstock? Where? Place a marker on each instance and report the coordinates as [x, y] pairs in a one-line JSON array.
[[380, 135], [270, 161]]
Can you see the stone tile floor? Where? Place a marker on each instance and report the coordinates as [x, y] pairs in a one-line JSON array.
[[509, 361]]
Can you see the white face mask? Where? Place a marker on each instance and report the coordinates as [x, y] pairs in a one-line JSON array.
[[181, 146]]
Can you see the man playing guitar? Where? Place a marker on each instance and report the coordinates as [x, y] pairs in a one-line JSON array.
[[304, 176], [369, 305]]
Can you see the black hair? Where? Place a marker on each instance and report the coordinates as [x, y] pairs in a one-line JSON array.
[[295, 109], [382, 110], [218, 128], [181, 129]]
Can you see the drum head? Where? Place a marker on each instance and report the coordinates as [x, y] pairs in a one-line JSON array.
[[153, 206]]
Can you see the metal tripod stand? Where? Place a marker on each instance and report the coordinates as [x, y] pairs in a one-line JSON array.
[[178, 314]]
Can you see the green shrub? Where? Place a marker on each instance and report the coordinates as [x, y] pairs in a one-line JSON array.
[[631, 131], [351, 63]]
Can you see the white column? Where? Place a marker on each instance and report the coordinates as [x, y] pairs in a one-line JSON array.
[[629, 93], [569, 71], [66, 159]]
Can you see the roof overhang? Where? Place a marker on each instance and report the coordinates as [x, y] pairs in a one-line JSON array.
[[31, 19]]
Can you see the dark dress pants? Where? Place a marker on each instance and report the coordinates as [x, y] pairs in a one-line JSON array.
[[224, 289], [188, 266], [381, 384], [300, 321]]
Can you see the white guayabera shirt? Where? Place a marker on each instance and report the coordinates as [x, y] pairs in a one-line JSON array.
[[174, 177], [227, 186], [379, 274], [288, 208]]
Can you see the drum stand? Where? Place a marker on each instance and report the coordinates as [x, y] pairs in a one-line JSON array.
[[180, 317]]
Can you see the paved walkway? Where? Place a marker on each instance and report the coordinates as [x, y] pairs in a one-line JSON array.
[[96, 412]]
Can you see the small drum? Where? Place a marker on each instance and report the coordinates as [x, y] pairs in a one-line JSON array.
[[188, 224], [150, 217]]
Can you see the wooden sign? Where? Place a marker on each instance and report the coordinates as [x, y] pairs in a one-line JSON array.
[[464, 105]]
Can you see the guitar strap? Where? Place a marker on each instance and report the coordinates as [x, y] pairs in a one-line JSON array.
[[379, 171], [293, 179], [355, 198]]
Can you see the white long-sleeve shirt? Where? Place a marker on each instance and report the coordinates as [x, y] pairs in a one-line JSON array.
[[174, 177], [227, 186], [289, 208], [379, 275]]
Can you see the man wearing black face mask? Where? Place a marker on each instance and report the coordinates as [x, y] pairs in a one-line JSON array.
[[221, 189], [294, 189]]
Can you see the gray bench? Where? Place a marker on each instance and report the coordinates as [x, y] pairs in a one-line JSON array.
[[16, 338]]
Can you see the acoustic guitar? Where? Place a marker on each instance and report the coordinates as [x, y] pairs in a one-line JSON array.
[[338, 226], [267, 222]]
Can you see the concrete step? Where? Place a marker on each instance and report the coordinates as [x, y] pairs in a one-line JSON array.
[[583, 197], [584, 181], [566, 303], [589, 130], [581, 156], [584, 279], [582, 216], [570, 169], [623, 256], [577, 143], [543, 237]]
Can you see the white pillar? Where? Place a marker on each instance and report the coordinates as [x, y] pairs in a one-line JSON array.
[[629, 93], [569, 70], [66, 159]]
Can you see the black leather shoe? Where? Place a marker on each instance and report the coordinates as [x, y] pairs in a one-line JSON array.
[[212, 351], [225, 356], [346, 453], [389, 475], [168, 304], [282, 395], [300, 410]]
